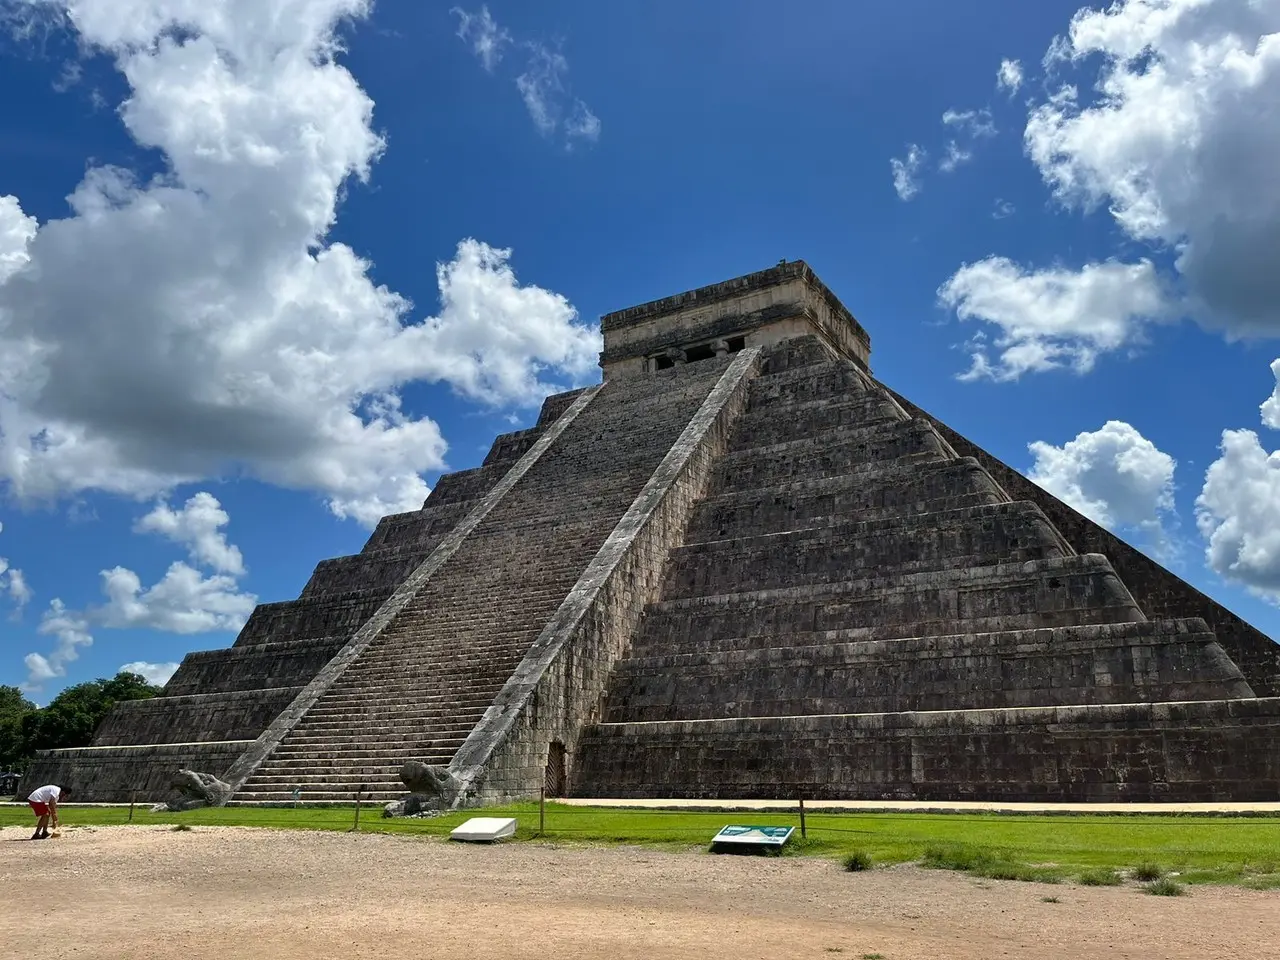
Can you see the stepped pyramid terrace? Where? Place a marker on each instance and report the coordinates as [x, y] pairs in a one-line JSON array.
[[739, 567]]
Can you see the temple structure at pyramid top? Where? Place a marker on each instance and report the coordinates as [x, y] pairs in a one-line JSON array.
[[761, 309], [738, 567]]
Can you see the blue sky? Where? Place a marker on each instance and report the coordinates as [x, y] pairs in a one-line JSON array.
[[270, 315]]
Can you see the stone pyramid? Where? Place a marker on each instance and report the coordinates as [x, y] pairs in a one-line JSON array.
[[739, 567]]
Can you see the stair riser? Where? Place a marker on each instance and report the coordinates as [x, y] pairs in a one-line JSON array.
[[778, 423], [941, 485], [1013, 533], [1046, 599], [814, 460], [1036, 669]]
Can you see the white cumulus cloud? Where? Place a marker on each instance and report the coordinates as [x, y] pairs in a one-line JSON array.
[[1238, 510], [906, 172], [1180, 144], [70, 632], [1238, 513], [1114, 475], [156, 673], [197, 526], [1271, 406], [1009, 76], [1052, 318], [13, 583], [201, 323], [183, 601]]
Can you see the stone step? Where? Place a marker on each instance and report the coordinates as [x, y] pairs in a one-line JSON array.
[[777, 423], [373, 741], [335, 615], [356, 757], [470, 484], [427, 679], [389, 729], [372, 703], [384, 793], [879, 491], [406, 530], [325, 764], [1056, 592], [793, 354], [965, 537], [351, 757], [1143, 661], [346, 755], [421, 665], [314, 777], [329, 776], [815, 381], [830, 453], [1212, 751], [373, 738]]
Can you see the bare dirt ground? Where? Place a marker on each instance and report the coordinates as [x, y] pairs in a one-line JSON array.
[[148, 892]]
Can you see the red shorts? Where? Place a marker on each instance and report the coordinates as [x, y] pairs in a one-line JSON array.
[[41, 809]]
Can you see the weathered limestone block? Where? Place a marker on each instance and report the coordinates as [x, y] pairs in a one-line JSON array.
[[194, 718], [967, 537], [1062, 666], [251, 668], [888, 492], [124, 774]]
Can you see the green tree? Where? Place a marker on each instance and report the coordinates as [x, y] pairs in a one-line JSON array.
[[14, 709]]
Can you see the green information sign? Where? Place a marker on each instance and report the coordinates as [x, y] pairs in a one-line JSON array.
[[754, 836]]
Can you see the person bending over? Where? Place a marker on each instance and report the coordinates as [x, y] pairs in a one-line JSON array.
[[44, 802]]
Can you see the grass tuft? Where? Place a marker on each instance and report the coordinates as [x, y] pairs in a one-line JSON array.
[[1100, 877], [182, 828], [1165, 888], [1050, 900], [857, 861], [1148, 871], [984, 863], [873, 956]]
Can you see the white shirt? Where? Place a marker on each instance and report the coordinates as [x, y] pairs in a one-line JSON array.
[[45, 794]]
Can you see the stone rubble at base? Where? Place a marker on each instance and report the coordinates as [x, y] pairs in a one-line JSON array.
[[742, 568]]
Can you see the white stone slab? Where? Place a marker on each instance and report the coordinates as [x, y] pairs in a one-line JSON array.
[[484, 829]]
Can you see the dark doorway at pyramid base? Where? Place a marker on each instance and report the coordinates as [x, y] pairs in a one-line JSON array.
[[557, 781]]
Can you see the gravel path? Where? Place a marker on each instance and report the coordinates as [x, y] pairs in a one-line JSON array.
[[229, 892]]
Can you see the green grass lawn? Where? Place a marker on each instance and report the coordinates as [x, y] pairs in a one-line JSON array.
[[1244, 850]]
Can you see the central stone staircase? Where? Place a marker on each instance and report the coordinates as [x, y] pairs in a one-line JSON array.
[[422, 685]]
